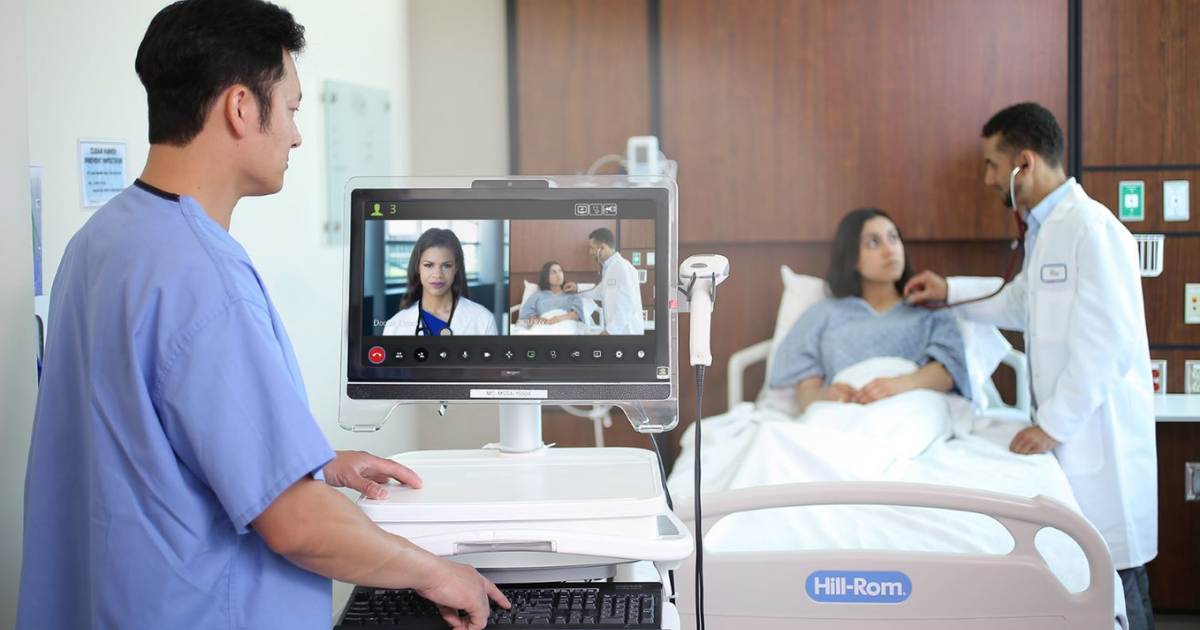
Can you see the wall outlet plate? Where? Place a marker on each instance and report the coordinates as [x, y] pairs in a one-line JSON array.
[[1191, 303], [1158, 374], [1175, 200], [1191, 376]]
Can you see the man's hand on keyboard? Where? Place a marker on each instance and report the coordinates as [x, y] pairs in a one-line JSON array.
[[460, 587]]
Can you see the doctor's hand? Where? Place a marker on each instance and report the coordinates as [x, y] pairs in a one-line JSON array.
[[839, 392], [367, 473], [1032, 441], [570, 287], [881, 388], [458, 587], [926, 287]]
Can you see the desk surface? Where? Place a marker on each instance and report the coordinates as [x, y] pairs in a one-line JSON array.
[[1177, 407]]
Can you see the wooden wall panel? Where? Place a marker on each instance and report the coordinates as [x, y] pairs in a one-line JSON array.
[[1181, 256], [1140, 63], [582, 82], [1103, 187], [784, 115], [1173, 574], [1140, 60]]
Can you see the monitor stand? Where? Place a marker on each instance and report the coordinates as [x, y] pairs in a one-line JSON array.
[[520, 429]]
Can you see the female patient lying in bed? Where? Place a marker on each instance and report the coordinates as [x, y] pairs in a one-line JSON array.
[[868, 318]]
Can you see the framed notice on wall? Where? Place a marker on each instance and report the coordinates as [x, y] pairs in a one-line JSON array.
[[103, 169]]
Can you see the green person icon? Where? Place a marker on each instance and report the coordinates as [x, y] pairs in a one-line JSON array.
[[376, 213]]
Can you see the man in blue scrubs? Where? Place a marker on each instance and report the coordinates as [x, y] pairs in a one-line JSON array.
[[177, 478]]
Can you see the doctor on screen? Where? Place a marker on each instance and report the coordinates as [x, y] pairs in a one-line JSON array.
[[619, 291], [436, 302], [1079, 301]]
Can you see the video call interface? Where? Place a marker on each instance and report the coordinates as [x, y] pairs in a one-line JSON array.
[[553, 283]]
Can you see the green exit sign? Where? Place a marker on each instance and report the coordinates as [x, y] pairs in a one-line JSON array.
[[1132, 201]]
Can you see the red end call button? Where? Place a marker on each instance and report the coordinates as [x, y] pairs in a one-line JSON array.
[[377, 355]]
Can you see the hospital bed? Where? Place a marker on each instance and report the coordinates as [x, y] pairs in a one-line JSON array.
[[984, 538]]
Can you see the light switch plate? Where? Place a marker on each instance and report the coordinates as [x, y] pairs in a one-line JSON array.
[[1158, 374], [1191, 376], [1175, 200]]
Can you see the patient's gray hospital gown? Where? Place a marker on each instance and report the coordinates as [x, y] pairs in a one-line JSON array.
[[841, 332], [544, 301]]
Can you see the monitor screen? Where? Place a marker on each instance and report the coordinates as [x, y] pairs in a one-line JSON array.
[[510, 293]]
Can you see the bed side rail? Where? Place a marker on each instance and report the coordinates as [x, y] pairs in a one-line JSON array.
[[739, 362], [937, 590]]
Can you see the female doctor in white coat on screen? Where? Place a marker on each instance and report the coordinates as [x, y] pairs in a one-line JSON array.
[[436, 302], [1079, 301]]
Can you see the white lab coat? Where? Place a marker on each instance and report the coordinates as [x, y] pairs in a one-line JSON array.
[[620, 293], [469, 319], [1079, 301]]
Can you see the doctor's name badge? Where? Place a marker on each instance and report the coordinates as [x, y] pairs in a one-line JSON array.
[[1054, 273]]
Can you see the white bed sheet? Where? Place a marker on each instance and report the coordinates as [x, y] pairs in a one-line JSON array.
[[750, 447], [566, 327]]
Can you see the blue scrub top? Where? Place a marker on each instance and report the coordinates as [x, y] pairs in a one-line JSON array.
[[171, 413]]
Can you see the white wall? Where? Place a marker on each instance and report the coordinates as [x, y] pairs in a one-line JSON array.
[[17, 349], [458, 86]]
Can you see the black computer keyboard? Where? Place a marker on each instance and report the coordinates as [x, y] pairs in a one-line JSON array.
[[635, 605]]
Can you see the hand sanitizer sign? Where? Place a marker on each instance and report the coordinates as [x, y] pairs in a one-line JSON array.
[[1132, 201]]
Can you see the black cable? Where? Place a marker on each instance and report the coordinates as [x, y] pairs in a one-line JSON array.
[[698, 520], [662, 470]]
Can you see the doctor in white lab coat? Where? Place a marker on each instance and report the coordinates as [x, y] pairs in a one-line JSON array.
[[619, 291], [436, 300], [1079, 301]]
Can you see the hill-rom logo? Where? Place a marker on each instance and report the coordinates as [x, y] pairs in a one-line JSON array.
[[858, 587]]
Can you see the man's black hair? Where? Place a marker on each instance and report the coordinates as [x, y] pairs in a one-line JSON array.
[[603, 235], [194, 50], [1028, 126]]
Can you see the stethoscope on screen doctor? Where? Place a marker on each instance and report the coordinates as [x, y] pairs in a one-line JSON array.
[[1022, 227], [423, 328]]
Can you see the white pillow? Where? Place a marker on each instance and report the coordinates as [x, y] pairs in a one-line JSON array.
[[530, 289], [983, 344], [800, 292]]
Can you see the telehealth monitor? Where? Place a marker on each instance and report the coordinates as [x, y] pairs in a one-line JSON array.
[[513, 290]]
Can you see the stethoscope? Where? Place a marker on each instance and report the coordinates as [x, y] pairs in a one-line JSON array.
[[1022, 227], [421, 325]]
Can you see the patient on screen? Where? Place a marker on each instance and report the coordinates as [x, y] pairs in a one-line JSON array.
[[867, 344], [551, 305]]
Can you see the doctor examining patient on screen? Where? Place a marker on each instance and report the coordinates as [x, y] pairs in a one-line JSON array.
[[619, 291], [436, 303]]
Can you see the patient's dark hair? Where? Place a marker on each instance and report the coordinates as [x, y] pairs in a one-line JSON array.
[[1027, 126], [196, 49], [544, 278], [843, 277]]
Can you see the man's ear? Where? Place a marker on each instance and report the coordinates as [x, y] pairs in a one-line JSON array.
[[1027, 159], [239, 108]]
